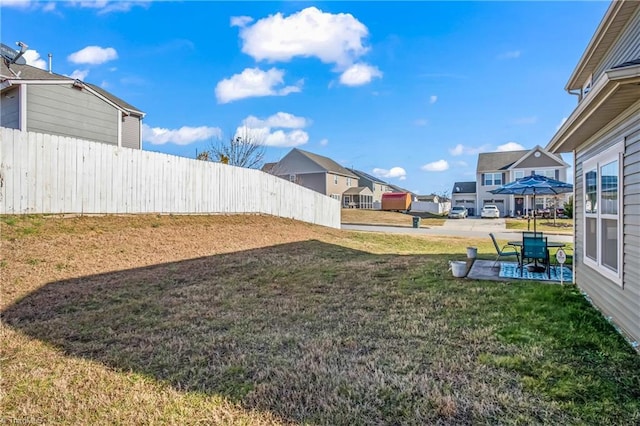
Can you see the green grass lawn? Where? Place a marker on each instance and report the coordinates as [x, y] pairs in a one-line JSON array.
[[559, 226], [342, 328]]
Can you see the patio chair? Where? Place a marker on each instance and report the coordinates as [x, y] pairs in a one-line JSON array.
[[535, 249], [502, 252]]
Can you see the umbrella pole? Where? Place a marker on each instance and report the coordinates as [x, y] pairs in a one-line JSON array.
[[534, 213]]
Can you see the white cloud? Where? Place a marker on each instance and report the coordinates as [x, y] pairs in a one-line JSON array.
[[436, 166], [510, 146], [332, 38], [93, 55], [182, 136], [33, 58], [241, 21], [460, 149], [359, 74], [526, 120], [512, 54], [324, 142], [21, 4], [253, 82], [433, 99], [79, 74], [564, 120], [279, 119], [268, 131], [394, 172], [106, 6]]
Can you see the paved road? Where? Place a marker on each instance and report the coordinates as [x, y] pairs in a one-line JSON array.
[[470, 227]]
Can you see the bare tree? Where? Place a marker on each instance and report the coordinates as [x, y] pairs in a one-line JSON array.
[[244, 149]]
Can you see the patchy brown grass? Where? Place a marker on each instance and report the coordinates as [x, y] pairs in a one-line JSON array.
[[379, 217], [259, 320]]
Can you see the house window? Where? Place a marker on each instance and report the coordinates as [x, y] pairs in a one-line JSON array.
[[518, 174], [348, 181], [492, 179], [292, 178], [602, 213], [346, 200], [546, 173], [335, 179]]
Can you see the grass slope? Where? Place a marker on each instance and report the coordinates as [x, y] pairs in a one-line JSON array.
[[258, 320]]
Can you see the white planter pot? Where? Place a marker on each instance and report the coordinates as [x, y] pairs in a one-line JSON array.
[[472, 252], [458, 268]]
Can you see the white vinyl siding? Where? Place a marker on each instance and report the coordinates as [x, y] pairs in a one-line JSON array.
[[67, 111], [602, 209]]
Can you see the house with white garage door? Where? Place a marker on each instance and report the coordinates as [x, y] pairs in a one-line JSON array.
[[498, 168]]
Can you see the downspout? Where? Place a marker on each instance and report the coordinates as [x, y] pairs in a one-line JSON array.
[[578, 94]]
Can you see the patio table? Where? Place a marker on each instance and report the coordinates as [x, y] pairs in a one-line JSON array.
[[535, 267]]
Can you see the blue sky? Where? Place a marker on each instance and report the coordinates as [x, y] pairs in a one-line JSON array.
[[408, 91]]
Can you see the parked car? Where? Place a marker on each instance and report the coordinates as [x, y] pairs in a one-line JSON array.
[[490, 211], [458, 212]]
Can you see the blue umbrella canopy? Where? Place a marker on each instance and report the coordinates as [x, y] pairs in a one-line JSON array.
[[534, 185]]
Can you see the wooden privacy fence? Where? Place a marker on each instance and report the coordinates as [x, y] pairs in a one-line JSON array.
[[42, 174]]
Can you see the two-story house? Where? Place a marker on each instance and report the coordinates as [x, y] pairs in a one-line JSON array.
[[603, 133], [376, 185], [39, 101], [494, 169], [316, 172]]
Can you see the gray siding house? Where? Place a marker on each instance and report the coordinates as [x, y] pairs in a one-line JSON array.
[[464, 194], [38, 101], [377, 186], [497, 168], [603, 133], [315, 172]]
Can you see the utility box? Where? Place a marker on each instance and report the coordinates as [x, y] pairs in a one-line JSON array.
[[396, 201], [416, 221]]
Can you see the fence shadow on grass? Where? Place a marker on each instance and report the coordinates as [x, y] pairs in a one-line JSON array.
[[281, 328]]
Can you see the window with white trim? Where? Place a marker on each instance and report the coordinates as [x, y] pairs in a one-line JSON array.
[[518, 174], [292, 178], [546, 173], [348, 181], [335, 179], [602, 247], [492, 179]]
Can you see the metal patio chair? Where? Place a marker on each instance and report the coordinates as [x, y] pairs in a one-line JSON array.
[[502, 252]]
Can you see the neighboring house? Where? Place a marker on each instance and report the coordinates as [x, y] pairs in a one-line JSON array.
[[395, 188], [464, 194], [377, 186], [497, 168], [359, 197], [39, 101], [315, 172], [603, 133]]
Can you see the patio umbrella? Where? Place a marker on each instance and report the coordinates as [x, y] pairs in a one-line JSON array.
[[534, 185]]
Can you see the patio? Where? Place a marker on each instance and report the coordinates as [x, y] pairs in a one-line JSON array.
[[483, 270]]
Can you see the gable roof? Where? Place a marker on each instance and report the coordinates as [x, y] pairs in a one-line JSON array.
[[362, 174], [27, 73], [490, 161], [464, 188], [326, 163], [359, 190]]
